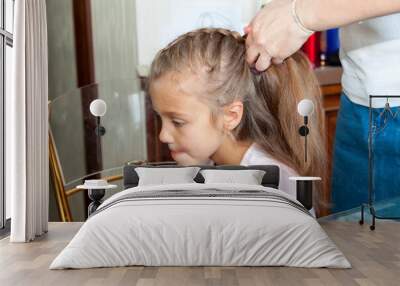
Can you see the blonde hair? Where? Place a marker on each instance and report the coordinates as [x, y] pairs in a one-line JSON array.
[[270, 99]]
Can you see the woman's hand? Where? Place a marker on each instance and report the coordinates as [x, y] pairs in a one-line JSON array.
[[273, 35]]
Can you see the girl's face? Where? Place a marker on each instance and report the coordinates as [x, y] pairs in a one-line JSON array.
[[187, 126]]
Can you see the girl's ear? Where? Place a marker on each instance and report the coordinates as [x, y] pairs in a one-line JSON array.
[[233, 115]]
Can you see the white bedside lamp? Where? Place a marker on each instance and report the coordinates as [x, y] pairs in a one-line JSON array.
[[305, 108], [97, 187], [304, 184], [98, 108]]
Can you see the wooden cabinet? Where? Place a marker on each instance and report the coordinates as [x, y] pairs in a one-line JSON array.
[[331, 103]]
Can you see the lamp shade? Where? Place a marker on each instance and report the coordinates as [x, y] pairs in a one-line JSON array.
[[305, 107], [98, 107]]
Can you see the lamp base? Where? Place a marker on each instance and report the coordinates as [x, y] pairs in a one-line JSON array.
[[96, 195], [304, 193], [304, 189]]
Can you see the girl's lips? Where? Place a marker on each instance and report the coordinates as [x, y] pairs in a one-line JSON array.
[[176, 152]]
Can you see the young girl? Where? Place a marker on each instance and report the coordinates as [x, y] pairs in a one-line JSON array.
[[213, 107]]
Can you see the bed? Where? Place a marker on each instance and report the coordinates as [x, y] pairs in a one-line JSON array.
[[201, 223]]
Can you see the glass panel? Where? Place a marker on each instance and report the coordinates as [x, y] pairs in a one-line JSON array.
[[1, 14], [2, 197], [74, 128], [8, 80], [9, 15]]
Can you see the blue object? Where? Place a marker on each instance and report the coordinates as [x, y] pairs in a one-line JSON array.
[[332, 41], [350, 163]]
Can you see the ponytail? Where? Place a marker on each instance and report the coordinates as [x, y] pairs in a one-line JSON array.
[[276, 123]]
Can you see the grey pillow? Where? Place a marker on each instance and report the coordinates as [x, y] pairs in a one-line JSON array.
[[248, 177], [161, 176]]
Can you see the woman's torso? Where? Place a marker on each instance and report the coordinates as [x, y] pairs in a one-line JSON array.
[[370, 56]]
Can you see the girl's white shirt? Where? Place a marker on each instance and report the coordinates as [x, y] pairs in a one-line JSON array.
[[255, 155]]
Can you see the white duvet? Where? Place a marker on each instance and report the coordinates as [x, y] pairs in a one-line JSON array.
[[185, 231]]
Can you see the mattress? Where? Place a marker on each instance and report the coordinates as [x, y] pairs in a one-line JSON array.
[[201, 225]]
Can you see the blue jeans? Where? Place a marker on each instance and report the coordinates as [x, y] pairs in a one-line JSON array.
[[350, 162]]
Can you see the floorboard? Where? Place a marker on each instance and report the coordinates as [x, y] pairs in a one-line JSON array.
[[374, 255]]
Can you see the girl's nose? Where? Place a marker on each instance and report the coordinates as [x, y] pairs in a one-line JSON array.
[[165, 135]]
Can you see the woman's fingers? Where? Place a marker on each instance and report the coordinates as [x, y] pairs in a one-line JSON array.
[[252, 54], [273, 35], [256, 56], [247, 29], [276, 61], [263, 62]]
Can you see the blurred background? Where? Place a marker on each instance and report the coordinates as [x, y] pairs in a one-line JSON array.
[[101, 49]]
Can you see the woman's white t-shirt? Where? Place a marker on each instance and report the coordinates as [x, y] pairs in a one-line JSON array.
[[370, 56], [255, 155]]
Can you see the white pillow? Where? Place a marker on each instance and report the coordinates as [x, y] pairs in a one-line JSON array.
[[162, 176], [248, 177]]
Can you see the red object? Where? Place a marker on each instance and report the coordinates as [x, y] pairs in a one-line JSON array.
[[312, 48]]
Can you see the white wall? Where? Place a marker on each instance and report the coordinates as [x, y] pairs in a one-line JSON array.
[[161, 21]]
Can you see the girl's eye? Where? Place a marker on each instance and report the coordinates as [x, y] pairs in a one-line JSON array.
[[178, 123]]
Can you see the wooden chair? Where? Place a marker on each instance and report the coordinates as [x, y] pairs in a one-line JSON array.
[[61, 192]]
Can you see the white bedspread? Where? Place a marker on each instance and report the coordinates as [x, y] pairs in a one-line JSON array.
[[182, 231]]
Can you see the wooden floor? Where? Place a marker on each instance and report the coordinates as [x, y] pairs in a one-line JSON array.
[[375, 257]]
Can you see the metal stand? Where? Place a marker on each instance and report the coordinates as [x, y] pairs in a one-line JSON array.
[[304, 193], [304, 190], [370, 204], [96, 195]]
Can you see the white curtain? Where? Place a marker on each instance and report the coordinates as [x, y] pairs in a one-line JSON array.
[[27, 124]]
